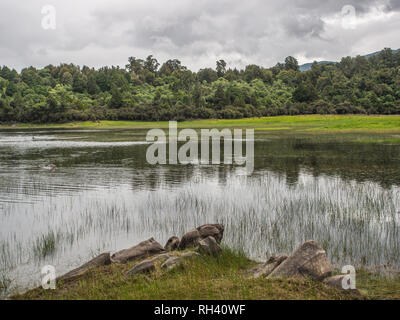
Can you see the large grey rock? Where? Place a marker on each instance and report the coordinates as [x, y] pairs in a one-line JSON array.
[[172, 263], [147, 266], [209, 246], [176, 261], [308, 261], [337, 283], [266, 268], [190, 254], [142, 250], [172, 244], [101, 260], [190, 239], [213, 230]]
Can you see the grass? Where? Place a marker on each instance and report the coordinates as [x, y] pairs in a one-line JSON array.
[[377, 286], [330, 123], [209, 278], [45, 245], [5, 283], [395, 140]]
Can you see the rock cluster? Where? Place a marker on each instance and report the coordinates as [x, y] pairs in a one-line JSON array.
[[308, 261], [205, 238], [192, 238]]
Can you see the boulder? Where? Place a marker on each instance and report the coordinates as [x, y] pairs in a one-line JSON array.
[[336, 282], [266, 268], [308, 261], [213, 230], [172, 263], [172, 244], [101, 260], [175, 261], [190, 239], [143, 250], [209, 246], [189, 254], [147, 266]]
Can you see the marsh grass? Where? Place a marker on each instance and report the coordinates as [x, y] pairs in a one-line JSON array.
[[45, 245], [5, 284]]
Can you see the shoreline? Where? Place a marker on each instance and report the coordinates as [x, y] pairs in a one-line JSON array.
[[305, 123], [220, 281], [198, 267]]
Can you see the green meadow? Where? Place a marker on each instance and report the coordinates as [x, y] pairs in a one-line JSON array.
[[305, 123]]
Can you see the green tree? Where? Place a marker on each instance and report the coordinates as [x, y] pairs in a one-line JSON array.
[[79, 83], [291, 64], [67, 79], [92, 86], [305, 92], [221, 68], [116, 98]]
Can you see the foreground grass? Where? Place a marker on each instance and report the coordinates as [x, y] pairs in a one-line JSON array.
[[298, 123], [223, 277]]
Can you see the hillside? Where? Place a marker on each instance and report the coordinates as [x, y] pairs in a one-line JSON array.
[[307, 66], [145, 90]]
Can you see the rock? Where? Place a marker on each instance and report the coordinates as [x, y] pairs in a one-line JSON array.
[[172, 263], [147, 265], [214, 230], [189, 254], [172, 244], [308, 261], [101, 260], [266, 268], [143, 250], [336, 282], [209, 246], [190, 239], [175, 261]]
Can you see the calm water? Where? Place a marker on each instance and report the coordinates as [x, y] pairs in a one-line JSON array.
[[103, 196]]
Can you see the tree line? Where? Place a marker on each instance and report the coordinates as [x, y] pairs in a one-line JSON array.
[[147, 90]]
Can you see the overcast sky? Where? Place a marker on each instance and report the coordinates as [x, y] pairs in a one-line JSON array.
[[99, 32]]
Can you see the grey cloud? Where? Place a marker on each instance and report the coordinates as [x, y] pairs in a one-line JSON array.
[[97, 32], [304, 26]]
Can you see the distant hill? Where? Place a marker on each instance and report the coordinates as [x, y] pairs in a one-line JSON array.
[[307, 66], [376, 53]]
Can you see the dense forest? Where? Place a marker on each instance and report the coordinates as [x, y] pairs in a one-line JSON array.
[[146, 90]]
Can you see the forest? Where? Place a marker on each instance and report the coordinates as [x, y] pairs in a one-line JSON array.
[[149, 91]]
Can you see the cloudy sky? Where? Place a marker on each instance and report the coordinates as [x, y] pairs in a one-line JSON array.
[[100, 32]]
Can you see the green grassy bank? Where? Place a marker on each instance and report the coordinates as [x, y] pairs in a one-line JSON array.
[[296, 123], [204, 277]]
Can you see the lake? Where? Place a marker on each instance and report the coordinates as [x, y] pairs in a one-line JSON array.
[[102, 196]]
